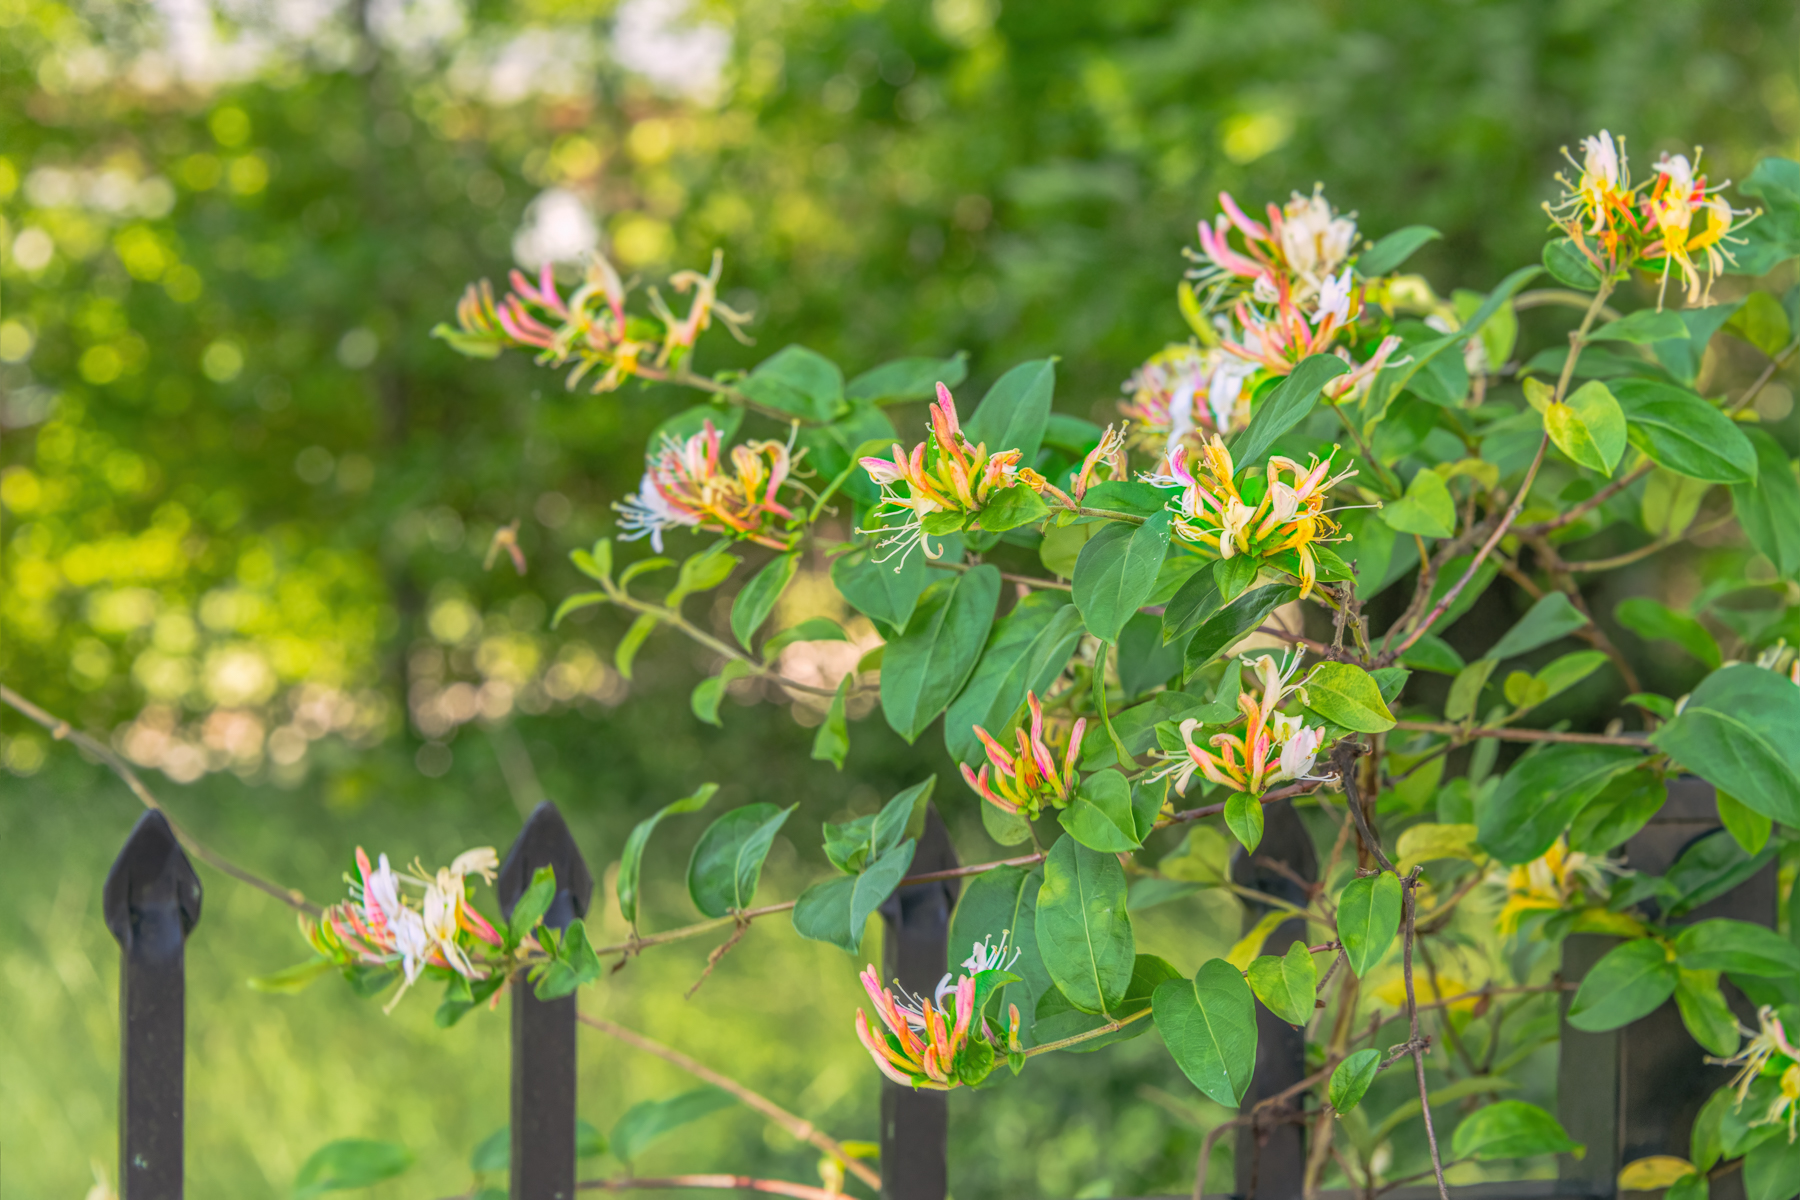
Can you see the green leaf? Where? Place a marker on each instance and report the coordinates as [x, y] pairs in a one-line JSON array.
[[532, 905], [1116, 573], [904, 810], [1004, 902], [727, 861], [1427, 509], [1653, 620], [924, 669], [576, 964], [493, 1152], [1747, 827], [1027, 650], [1737, 947], [1083, 931], [1144, 662], [754, 604], [1553, 616], [709, 693], [1538, 798], [1285, 407], [1641, 328], [576, 603], [1712, 865], [1623, 807], [832, 743], [1368, 919], [813, 629], [1015, 411], [702, 572], [1391, 251], [1762, 323], [1569, 266], [632, 642], [1705, 1013], [1350, 1082], [648, 1120], [1772, 1170], [1345, 694], [1209, 1026], [1683, 355], [800, 382], [1737, 733], [1061, 547], [1244, 817], [1012, 507], [290, 980], [1287, 985], [1227, 627], [689, 421], [1562, 673], [837, 910], [1589, 427], [1232, 575], [1465, 689], [350, 1163], [908, 379], [1682, 432], [1769, 510], [1704, 1141], [1193, 602], [882, 591], [631, 861], [1100, 817], [1511, 1129], [1631, 981]]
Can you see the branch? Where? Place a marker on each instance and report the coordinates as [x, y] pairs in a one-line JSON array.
[[1343, 758], [1111, 1026], [798, 1126], [1409, 901], [63, 731], [732, 1183], [671, 617], [1269, 797], [1462, 732], [1030, 581]]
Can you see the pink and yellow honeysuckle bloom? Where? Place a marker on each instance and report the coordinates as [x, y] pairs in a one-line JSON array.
[[1272, 748], [1555, 881], [381, 924], [686, 485], [591, 327], [1768, 1052], [1026, 781], [1674, 202], [1290, 513], [944, 474], [1304, 243], [921, 1040], [1597, 204], [1185, 393]]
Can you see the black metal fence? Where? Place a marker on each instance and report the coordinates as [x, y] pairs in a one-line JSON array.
[[1625, 1094]]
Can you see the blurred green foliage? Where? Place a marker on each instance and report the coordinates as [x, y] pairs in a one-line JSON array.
[[247, 501]]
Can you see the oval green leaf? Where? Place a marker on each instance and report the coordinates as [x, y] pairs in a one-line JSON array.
[[1368, 917], [1631, 981], [1209, 1026], [926, 667], [1345, 694], [1116, 572], [1511, 1129], [1350, 1082], [727, 861], [1083, 932]]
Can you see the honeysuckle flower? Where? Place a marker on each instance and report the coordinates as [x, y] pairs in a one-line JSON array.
[[1028, 780], [924, 1044], [988, 957], [1185, 393], [1675, 200], [382, 925], [1557, 880], [944, 474], [1212, 512], [1597, 204], [1355, 381], [1108, 453], [591, 327], [686, 484], [1768, 1052], [1305, 242], [1272, 747]]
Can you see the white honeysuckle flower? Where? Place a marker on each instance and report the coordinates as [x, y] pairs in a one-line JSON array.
[[1334, 299], [384, 891], [987, 957], [1600, 157]]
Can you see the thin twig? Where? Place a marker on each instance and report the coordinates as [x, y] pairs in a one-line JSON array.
[[1030, 581], [730, 1183], [62, 731], [1343, 757], [1111, 1026], [1269, 797], [1408, 900], [1634, 740], [798, 1126], [1206, 1147]]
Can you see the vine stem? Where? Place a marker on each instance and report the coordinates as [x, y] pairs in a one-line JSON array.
[[798, 1126], [62, 731], [730, 1183], [1636, 741], [1111, 1026], [1408, 901], [669, 616], [1030, 581]]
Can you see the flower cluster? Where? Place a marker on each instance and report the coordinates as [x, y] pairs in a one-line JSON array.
[[944, 481], [1615, 223], [1186, 393], [1273, 748], [687, 485], [384, 923], [591, 328], [1768, 1053], [926, 1044], [1261, 516], [1026, 782], [1559, 880]]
